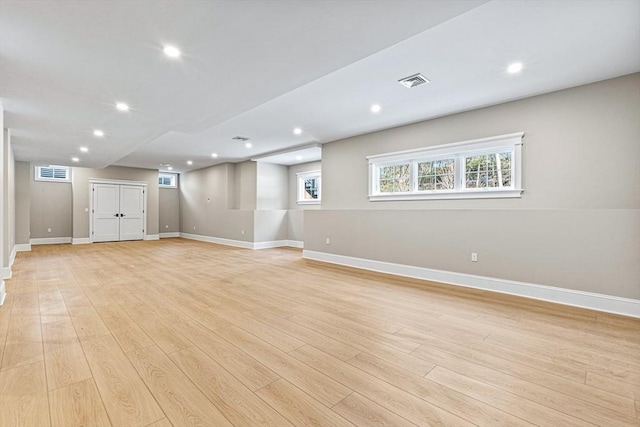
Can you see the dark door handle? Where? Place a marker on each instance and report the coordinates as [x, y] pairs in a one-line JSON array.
[[116, 215], [121, 214]]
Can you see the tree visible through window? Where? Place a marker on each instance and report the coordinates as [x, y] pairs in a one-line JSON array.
[[436, 175], [395, 179], [488, 170]]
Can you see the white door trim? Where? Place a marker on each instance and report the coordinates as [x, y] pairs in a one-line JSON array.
[[93, 181]]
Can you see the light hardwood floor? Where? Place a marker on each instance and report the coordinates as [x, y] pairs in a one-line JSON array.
[[184, 333]]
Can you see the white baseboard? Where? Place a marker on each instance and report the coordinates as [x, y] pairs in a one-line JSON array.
[[23, 247], [80, 241], [600, 302], [169, 234], [296, 244], [3, 292], [240, 243], [218, 240], [12, 257], [271, 244], [6, 272], [151, 237], [50, 241]]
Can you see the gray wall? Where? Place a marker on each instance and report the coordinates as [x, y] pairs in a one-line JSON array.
[[207, 199], [271, 186], [8, 190], [23, 202], [577, 225], [50, 207], [169, 210], [81, 195], [270, 225], [245, 185], [295, 216]]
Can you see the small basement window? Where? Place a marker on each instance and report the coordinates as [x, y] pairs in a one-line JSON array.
[[167, 180], [481, 168], [309, 188], [53, 173]]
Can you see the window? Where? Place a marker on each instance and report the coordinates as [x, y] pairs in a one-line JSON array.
[[482, 168], [309, 187], [167, 180], [53, 173]]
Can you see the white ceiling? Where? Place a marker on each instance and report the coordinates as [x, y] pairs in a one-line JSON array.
[[261, 68]]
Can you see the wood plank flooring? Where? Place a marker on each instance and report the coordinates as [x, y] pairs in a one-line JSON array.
[[184, 333]]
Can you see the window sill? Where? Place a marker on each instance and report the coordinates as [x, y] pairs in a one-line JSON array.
[[309, 202], [485, 194]]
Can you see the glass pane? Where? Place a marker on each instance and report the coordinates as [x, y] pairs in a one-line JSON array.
[[386, 186], [488, 170], [402, 185], [426, 183], [472, 180], [311, 189], [386, 172], [436, 175], [425, 168]]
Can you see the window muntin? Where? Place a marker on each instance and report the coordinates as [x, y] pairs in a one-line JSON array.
[[167, 180], [309, 187], [436, 175], [53, 173], [487, 167]]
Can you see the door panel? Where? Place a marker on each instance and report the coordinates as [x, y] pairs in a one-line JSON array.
[[106, 201], [131, 210], [118, 212]]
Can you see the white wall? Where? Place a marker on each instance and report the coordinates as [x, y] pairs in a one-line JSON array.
[[2, 202]]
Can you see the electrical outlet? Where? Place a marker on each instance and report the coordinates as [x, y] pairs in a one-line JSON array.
[[242, 232], [474, 257], [328, 242], [166, 226], [194, 227], [49, 230]]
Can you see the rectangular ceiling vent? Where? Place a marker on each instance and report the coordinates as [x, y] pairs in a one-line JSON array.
[[240, 138], [414, 80]]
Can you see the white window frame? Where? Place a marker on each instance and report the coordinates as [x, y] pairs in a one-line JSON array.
[[174, 179], [39, 177], [302, 177], [457, 151]]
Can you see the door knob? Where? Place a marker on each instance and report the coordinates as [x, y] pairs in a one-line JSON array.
[[116, 215]]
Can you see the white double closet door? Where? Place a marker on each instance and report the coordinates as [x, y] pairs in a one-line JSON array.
[[117, 212]]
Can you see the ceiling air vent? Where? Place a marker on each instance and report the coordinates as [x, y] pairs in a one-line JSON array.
[[240, 138], [414, 80]]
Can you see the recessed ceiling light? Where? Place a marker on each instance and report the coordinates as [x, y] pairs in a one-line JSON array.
[[189, 162], [172, 51], [84, 149], [98, 132], [75, 159], [214, 155], [298, 157], [170, 168], [375, 108], [122, 106], [514, 68], [297, 131], [248, 145]]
